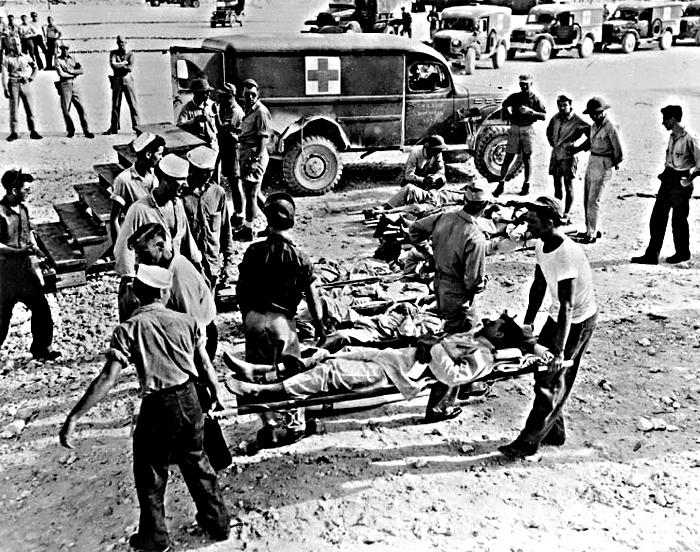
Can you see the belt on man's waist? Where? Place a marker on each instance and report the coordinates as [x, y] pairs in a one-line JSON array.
[[448, 277], [171, 390]]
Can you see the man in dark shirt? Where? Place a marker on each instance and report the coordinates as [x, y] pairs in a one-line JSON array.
[[19, 281], [407, 22], [522, 109], [273, 277], [167, 349], [459, 250]]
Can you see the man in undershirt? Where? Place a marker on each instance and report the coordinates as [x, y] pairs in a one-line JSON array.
[[562, 268]]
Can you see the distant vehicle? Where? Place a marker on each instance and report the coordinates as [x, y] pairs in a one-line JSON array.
[[368, 16], [183, 3], [636, 23], [551, 28], [470, 33], [350, 93], [690, 23], [519, 7], [227, 13]]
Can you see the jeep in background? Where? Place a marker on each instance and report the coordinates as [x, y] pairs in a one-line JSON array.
[[349, 93], [644, 22], [183, 3], [368, 16], [551, 28], [470, 33], [690, 23]]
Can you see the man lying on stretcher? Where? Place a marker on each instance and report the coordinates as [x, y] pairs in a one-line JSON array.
[[455, 360]]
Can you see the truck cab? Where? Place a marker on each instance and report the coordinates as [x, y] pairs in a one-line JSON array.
[[551, 28], [636, 23], [367, 16], [470, 33], [690, 23], [330, 94]]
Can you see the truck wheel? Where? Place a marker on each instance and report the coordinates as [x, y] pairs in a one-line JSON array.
[[195, 3], [585, 49], [499, 57], [544, 50], [511, 54], [312, 166], [666, 40], [697, 38], [469, 61], [489, 151], [629, 43], [389, 30], [155, 3]]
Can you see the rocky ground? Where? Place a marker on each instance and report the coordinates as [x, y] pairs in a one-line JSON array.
[[627, 479]]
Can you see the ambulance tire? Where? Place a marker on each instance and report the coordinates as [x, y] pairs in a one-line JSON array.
[[313, 166], [489, 151]]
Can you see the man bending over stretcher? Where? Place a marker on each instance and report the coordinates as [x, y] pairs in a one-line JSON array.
[[457, 359]]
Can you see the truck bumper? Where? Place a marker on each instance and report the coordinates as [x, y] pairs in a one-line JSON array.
[[522, 46]]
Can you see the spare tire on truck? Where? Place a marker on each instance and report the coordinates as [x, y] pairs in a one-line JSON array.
[[312, 166], [489, 151]]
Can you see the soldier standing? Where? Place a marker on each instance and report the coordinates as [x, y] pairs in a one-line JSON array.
[[68, 68], [52, 35], [406, 23], [122, 62], [522, 109], [18, 72], [37, 39]]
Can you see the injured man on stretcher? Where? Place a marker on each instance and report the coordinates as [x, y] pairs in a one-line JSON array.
[[455, 360]]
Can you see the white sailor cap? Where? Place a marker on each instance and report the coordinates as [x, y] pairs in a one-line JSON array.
[[202, 157], [142, 140], [174, 166], [154, 276]]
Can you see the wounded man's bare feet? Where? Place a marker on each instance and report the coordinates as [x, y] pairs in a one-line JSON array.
[[243, 388]]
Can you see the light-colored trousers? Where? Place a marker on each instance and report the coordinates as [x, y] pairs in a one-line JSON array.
[[598, 174], [21, 91]]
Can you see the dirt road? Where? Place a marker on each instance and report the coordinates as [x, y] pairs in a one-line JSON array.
[[380, 481]]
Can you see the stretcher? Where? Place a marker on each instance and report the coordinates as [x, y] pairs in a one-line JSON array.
[[510, 363]]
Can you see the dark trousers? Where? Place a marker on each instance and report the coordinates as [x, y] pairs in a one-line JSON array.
[[546, 419], [71, 97], [124, 86], [50, 52], [170, 431], [212, 340], [38, 44], [671, 196], [21, 286]]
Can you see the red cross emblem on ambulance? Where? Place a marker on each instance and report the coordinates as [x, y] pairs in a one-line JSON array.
[[322, 75]]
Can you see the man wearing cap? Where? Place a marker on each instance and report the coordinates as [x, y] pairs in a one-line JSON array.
[[167, 350], [198, 116], [459, 251], [137, 181], [522, 109], [255, 133], [229, 119], [425, 167], [18, 72], [68, 68], [19, 281], [603, 141], [52, 34], [122, 82], [273, 277], [207, 212], [562, 268], [563, 130], [164, 206], [189, 292], [682, 166]]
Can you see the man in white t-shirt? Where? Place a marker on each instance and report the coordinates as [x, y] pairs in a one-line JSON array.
[[562, 268]]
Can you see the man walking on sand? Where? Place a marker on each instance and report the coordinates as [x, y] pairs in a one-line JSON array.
[[681, 168]]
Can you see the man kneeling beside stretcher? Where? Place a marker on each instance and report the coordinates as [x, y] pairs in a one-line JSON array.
[[456, 359]]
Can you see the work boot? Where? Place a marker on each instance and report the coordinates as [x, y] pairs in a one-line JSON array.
[[525, 189], [144, 544], [645, 259], [12, 137], [109, 131], [678, 258], [34, 135], [244, 233], [88, 134], [499, 189]]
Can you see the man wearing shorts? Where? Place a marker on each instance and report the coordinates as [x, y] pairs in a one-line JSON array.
[[522, 109], [564, 129], [255, 133]]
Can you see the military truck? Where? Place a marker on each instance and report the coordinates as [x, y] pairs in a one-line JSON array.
[[182, 3], [551, 28], [690, 23], [645, 22], [330, 94], [470, 33], [369, 16]]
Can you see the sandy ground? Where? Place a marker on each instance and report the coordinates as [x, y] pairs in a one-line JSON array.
[[380, 481]]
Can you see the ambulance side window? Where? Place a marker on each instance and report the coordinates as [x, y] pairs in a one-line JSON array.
[[427, 77]]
